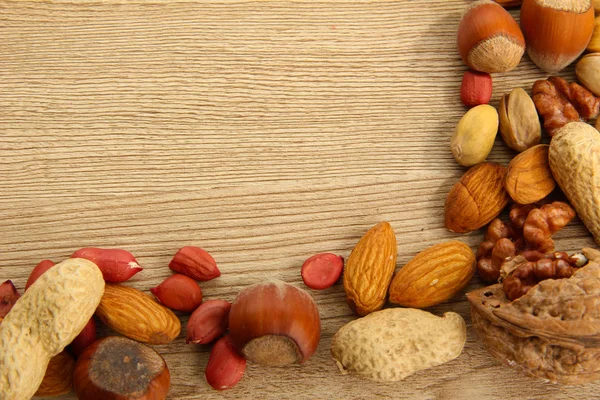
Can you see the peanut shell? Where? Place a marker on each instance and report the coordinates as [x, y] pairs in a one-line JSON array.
[[528, 177], [43, 321], [574, 158], [369, 269], [391, 344], [434, 275]]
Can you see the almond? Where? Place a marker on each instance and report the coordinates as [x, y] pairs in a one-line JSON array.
[[136, 315], [434, 275], [477, 198], [59, 376], [528, 177], [369, 269]]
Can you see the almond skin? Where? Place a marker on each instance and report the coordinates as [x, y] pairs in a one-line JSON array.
[[528, 177], [434, 275], [136, 315], [476, 199], [369, 269]]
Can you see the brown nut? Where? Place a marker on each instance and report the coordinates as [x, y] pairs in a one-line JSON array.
[[556, 31], [369, 269], [520, 274], [551, 332], [119, 368], [434, 275], [275, 324], [519, 121], [528, 177], [476, 199], [136, 315], [59, 376], [489, 39], [560, 102]]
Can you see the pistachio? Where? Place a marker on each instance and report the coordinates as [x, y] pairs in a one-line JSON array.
[[474, 135], [588, 72], [519, 121]]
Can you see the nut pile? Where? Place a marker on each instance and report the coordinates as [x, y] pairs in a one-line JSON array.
[[270, 323], [542, 299], [513, 317]]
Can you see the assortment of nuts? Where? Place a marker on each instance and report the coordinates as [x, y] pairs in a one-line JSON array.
[[541, 298], [539, 291]]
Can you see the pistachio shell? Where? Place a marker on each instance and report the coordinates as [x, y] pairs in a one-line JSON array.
[[588, 72], [474, 135], [519, 121]]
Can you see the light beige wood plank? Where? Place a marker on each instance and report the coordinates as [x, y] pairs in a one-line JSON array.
[[264, 132]]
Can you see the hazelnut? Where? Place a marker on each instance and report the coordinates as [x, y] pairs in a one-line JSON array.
[[557, 31], [117, 368], [489, 39], [275, 324]]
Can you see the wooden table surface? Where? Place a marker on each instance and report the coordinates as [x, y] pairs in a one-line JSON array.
[[264, 132]]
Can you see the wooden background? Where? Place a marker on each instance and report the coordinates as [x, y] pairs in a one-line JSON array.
[[264, 132]]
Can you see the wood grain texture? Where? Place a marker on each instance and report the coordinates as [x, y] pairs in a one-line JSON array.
[[264, 132]]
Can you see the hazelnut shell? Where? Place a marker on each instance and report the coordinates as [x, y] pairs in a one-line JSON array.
[[489, 39]]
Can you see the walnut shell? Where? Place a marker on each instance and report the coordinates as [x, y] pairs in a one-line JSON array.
[[552, 332]]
